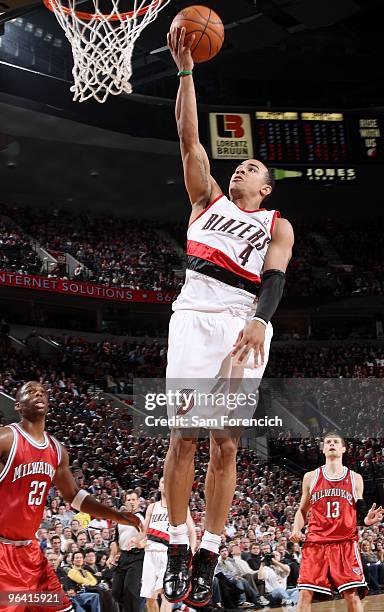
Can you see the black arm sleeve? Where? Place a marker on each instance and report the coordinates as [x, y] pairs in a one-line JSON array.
[[361, 511], [271, 290]]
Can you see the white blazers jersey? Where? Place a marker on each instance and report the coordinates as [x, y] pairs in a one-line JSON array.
[[226, 250], [157, 532]]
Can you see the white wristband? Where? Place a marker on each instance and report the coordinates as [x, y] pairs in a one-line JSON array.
[[260, 320], [79, 498]]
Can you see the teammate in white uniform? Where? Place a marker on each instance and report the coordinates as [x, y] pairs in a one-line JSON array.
[[155, 558], [238, 253]]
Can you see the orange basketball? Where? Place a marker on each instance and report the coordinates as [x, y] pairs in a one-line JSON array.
[[207, 27]]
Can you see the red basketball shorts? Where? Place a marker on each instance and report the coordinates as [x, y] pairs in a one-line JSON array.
[[334, 566], [25, 570]]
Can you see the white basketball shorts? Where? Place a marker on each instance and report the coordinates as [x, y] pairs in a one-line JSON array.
[[199, 357], [154, 566]]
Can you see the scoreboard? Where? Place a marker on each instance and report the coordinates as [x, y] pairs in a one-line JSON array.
[[301, 138], [314, 139]]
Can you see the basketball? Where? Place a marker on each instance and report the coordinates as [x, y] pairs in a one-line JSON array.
[[207, 27]]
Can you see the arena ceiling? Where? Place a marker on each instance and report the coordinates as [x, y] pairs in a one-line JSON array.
[[296, 53], [281, 53]]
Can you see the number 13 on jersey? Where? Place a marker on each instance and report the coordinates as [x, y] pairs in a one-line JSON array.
[[333, 509]]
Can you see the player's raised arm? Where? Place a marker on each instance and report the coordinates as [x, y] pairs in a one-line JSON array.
[[201, 187], [80, 499], [363, 515], [301, 514]]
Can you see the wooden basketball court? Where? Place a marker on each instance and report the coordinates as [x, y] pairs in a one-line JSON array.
[[375, 603]]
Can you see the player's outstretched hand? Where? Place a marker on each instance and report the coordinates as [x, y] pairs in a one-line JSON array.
[[127, 518], [296, 537], [251, 337], [181, 48], [375, 515]]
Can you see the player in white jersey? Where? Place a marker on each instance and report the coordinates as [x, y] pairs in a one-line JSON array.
[[238, 253], [155, 531]]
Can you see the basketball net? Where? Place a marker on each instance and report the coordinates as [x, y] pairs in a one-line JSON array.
[[102, 44]]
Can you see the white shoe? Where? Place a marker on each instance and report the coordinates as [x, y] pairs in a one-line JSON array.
[[263, 601], [246, 604], [287, 602]]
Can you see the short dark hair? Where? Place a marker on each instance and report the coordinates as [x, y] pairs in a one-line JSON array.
[[270, 180], [131, 492], [334, 434], [222, 546], [78, 552], [26, 384]]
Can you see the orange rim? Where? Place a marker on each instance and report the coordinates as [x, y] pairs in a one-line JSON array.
[[51, 4]]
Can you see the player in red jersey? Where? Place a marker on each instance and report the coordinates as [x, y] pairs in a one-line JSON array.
[[30, 460], [331, 558]]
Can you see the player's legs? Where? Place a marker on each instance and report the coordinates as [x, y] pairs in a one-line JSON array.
[[347, 574], [191, 354], [179, 472], [305, 601], [194, 358], [220, 482], [314, 572], [242, 385], [353, 601], [166, 606], [154, 566], [25, 569], [149, 579], [152, 605]]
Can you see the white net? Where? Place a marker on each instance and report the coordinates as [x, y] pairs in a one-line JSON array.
[[102, 44]]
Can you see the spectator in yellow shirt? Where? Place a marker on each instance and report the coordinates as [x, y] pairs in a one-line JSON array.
[[81, 576], [83, 518]]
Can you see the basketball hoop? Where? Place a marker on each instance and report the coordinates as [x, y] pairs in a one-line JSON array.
[[102, 44]]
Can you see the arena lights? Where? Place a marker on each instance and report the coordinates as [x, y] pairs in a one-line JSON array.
[[38, 32]]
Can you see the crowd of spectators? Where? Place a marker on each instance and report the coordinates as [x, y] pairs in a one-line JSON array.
[[16, 252], [340, 383], [343, 383], [350, 264], [108, 364], [360, 245], [308, 260], [254, 542], [114, 252], [343, 361], [364, 455], [108, 457], [132, 254]]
